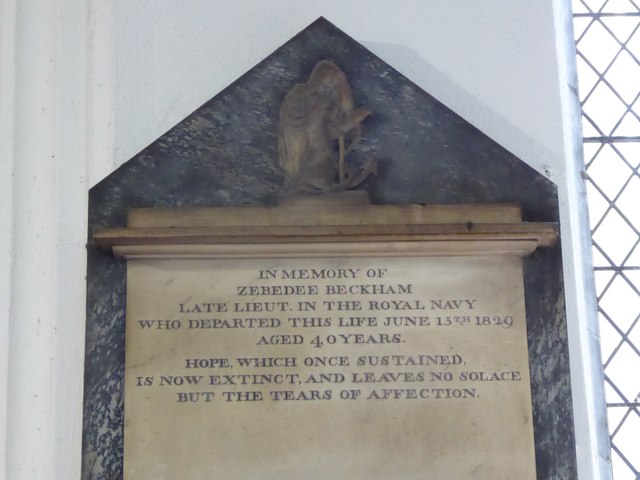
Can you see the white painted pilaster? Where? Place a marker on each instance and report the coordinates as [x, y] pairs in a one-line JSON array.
[[31, 419], [44, 163], [7, 58]]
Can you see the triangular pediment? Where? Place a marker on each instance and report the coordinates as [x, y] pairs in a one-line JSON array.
[[225, 153]]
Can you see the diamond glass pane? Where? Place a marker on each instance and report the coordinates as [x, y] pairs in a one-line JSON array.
[[600, 45], [608, 65], [621, 302], [619, 76], [609, 172], [604, 108], [615, 237]]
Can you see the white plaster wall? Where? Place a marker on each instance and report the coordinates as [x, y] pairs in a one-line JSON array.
[[87, 84]]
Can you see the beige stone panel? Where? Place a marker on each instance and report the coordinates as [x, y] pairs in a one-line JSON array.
[[464, 428]]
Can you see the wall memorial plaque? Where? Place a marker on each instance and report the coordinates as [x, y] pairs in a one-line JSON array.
[[279, 324]]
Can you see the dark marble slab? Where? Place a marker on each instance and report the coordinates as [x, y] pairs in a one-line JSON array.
[[225, 153]]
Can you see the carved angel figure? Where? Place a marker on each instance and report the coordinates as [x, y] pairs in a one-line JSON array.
[[314, 116]]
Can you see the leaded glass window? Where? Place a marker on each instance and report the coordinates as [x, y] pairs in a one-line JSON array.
[[607, 36]]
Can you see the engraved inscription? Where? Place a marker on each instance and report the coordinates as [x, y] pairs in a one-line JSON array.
[[251, 348]]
